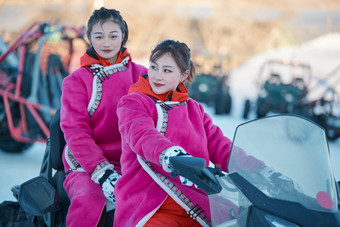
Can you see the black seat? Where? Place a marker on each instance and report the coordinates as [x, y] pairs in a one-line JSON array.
[[57, 142], [52, 163]]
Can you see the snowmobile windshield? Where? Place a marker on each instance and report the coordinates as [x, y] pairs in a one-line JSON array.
[[285, 157]]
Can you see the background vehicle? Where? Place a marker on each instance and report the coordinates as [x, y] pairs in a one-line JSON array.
[[281, 87], [325, 110], [212, 90], [31, 73], [288, 87], [294, 148]]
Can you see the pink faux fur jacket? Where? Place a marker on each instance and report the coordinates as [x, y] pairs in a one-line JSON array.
[[145, 185], [92, 140]]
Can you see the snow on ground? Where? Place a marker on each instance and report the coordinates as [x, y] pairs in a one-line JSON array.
[[323, 54]]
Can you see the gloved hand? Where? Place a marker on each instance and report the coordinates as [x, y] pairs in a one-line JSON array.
[[164, 159], [185, 181], [283, 182], [107, 178], [108, 181]]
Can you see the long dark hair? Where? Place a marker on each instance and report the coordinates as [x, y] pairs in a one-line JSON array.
[[102, 15], [180, 52]]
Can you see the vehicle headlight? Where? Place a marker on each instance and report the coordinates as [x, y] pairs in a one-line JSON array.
[[203, 88], [289, 97]]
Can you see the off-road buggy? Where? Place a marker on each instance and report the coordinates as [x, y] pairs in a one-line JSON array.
[[213, 91], [31, 73], [289, 88]]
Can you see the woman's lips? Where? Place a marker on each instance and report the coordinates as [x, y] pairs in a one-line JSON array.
[[106, 51], [158, 85]]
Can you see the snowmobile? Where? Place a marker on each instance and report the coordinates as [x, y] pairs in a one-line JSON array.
[[302, 190], [307, 196]]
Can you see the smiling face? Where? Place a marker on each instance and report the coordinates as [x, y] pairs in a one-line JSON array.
[[106, 40], [165, 75]]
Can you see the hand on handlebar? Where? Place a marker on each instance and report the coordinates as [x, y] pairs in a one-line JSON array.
[[279, 182], [172, 152]]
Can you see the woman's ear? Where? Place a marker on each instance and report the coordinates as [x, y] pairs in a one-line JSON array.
[[123, 38], [185, 75]]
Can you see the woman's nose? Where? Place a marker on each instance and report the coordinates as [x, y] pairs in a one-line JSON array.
[[106, 42], [159, 76]]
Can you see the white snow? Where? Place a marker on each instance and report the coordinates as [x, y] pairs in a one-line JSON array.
[[323, 54]]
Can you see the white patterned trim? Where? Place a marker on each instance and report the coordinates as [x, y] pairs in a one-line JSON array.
[[93, 95], [99, 74], [168, 191], [160, 116], [73, 167]]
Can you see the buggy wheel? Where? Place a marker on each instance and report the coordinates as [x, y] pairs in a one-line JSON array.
[[331, 135], [7, 143], [227, 109], [222, 105], [261, 113], [12, 146], [261, 110], [246, 109]]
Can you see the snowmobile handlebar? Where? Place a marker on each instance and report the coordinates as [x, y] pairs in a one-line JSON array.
[[194, 169]]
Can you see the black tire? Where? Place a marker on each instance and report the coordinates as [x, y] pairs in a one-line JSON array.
[[261, 113], [331, 134], [227, 109], [246, 109], [7, 143], [11, 146], [262, 109], [223, 105], [218, 108]]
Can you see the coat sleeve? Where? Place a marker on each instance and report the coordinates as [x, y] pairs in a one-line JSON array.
[[136, 119], [75, 123], [218, 145]]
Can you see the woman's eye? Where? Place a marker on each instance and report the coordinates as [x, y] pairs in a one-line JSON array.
[[153, 67], [114, 37], [167, 71], [98, 37]]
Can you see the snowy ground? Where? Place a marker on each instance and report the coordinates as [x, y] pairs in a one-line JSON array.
[[323, 54]]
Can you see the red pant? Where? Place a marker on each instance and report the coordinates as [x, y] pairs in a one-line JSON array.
[[170, 214]]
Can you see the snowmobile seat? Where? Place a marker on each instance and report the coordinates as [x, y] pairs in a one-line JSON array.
[[57, 143]]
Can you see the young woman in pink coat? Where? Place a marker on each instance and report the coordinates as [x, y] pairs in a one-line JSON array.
[[157, 120], [89, 121]]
